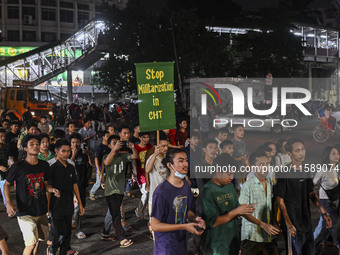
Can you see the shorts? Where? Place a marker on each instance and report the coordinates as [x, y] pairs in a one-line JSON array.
[[3, 234], [33, 228]]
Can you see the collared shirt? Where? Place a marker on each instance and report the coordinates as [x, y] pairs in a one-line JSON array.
[[252, 192], [86, 133], [42, 157]]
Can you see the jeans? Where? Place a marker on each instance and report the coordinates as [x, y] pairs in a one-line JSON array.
[[107, 223], [321, 233], [61, 231], [76, 215], [2, 183], [96, 185], [114, 201], [143, 205], [303, 243]]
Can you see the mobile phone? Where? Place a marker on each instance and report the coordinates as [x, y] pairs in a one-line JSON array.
[[198, 228]]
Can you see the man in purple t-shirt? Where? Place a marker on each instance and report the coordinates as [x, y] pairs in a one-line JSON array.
[[171, 205]]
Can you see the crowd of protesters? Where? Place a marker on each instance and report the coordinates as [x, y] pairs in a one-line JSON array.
[[51, 171]]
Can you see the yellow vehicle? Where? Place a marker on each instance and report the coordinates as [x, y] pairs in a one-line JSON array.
[[17, 99]]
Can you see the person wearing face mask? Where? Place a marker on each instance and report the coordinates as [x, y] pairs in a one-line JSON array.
[[257, 233], [171, 207]]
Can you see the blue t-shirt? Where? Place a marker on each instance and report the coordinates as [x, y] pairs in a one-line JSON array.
[[171, 205]]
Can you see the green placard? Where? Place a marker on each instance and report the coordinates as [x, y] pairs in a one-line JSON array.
[[155, 89]]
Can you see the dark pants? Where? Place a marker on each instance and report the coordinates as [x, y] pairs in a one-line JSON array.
[[76, 216], [114, 201], [61, 230], [255, 248]]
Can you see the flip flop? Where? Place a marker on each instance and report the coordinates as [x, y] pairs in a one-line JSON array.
[[72, 252], [108, 238], [126, 244]]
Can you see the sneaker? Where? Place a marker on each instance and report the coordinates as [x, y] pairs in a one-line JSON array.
[[92, 197], [80, 235]]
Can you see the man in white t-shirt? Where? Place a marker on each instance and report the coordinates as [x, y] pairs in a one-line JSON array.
[[155, 169]]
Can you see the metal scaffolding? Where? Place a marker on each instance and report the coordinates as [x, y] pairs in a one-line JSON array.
[[44, 63]]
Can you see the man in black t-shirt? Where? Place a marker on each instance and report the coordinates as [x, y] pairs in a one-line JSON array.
[[83, 160], [62, 176], [31, 188], [293, 193], [101, 151], [12, 140]]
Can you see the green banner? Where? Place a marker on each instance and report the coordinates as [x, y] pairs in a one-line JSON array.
[[155, 89], [14, 51]]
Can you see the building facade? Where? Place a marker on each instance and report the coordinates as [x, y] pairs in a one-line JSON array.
[[33, 23]]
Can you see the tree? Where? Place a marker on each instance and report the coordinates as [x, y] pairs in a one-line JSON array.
[[134, 36]]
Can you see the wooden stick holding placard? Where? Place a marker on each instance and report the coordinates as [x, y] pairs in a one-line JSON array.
[[157, 137]]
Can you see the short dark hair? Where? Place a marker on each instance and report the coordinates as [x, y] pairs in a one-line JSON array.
[[43, 135], [30, 124], [143, 133], [70, 123], [59, 134], [162, 136], [170, 155], [113, 137], [60, 143], [14, 122], [223, 131], [4, 120], [237, 126], [225, 143], [290, 143], [75, 136], [194, 134], [255, 155], [279, 144], [181, 119], [123, 127], [135, 125], [86, 120], [2, 130], [28, 137], [110, 125], [208, 141], [103, 133], [225, 160]]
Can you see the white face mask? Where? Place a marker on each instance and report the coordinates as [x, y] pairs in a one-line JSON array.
[[177, 174]]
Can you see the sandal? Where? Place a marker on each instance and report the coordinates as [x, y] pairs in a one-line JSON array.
[[108, 237], [72, 252], [80, 235], [126, 243]]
